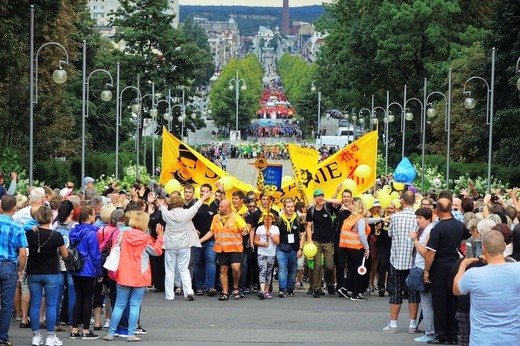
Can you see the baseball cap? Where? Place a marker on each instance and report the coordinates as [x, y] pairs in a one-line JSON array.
[[87, 180], [318, 192]]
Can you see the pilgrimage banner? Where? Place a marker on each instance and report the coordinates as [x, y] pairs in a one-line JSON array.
[[305, 163]]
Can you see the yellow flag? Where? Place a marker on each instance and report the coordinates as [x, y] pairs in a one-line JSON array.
[[181, 162], [305, 163], [343, 164]]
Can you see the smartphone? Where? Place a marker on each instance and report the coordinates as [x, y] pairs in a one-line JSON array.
[[477, 248]]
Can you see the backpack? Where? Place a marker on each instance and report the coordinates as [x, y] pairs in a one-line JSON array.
[[108, 246], [74, 260]]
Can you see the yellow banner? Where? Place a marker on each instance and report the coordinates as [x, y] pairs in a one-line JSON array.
[[181, 162], [341, 165], [305, 163]]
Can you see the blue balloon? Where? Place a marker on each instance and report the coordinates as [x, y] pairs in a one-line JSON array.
[[405, 172]]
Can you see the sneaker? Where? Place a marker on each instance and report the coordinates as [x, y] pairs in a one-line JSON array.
[[190, 297], [109, 337], [6, 342], [389, 329], [310, 291], [315, 294], [268, 295], [342, 292], [247, 291], [358, 298], [107, 324], [330, 290], [290, 293], [25, 325], [75, 335], [89, 336], [368, 291], [133, 338], [413, 330], [381, 293], [37, 340], [261, 295], [425, 338], [255, 290], [241, 293], [282, 294], [140, 331], [212, 292], [52, 340]]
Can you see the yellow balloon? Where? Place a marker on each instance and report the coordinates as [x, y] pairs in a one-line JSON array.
[[310, 250], [394, 195], [363, 171], [381, 193], [172, 185], [368, 200], [384, 200], [349, 184], [286, 179], [397, 203], [227, 182], [387, 189], [398, 186]]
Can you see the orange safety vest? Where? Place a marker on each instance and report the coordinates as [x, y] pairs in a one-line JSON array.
[[349, 237], [228, 238]]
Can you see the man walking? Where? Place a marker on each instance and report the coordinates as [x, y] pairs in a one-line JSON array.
[[13, 244], [400, 225]]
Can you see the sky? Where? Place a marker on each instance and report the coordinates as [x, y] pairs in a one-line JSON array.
[[277, 3]]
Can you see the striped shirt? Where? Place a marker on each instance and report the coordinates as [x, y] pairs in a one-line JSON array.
[[12, 238], [401, 224]]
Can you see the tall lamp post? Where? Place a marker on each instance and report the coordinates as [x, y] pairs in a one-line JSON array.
[[469, 103], [362, 118], [387, 119], [59, 76], [517, 72], [402, 122], [314, 89], [106, 95], [136, 108], [237, 81], [431, 113]]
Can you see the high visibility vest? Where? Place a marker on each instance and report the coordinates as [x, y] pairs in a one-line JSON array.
[[228, 238], [349, 237]]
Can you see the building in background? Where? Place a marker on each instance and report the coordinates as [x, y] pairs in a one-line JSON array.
[[285, 18]]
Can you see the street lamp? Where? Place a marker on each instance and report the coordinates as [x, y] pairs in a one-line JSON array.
[[403, 124], [408, 116], [59, 76], [362, 118], [430, 113], [237, 88], [387, 119], [517, 72], [314, 89], [106, 95], [469, 103]]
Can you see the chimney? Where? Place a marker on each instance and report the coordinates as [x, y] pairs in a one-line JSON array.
[[285, 18]]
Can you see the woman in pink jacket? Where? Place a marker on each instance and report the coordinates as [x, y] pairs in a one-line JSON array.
[[136, 247]]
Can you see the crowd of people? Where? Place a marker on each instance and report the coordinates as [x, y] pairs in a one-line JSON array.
[[230, 246]]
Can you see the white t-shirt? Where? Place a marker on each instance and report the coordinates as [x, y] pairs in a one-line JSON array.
[[271, 249]]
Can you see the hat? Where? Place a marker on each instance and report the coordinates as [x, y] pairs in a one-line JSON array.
[[376, 203], [87, 180], [318, 192]]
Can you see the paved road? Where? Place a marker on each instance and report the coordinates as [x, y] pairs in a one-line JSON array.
[[300, 319]]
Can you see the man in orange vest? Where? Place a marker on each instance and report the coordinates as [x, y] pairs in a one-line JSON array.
[[228, 228]]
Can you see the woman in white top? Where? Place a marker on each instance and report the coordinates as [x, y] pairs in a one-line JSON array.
[[267, 236], [179, 236], [420, 239]]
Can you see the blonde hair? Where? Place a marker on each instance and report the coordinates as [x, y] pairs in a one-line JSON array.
[[138, 219], [359, 207], [176, 201], [106, 211]]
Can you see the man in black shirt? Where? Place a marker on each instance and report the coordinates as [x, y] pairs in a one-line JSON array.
[[204, 257], [320, 231], [249, 271], [442, 254]]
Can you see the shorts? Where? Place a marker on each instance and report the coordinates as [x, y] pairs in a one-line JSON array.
[[24, 285], [225, 258], [300, 262], [396, 286]]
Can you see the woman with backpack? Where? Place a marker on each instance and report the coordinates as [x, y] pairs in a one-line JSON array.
[[84, 237]]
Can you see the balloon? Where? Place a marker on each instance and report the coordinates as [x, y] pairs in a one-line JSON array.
[[172, 185], [397, 203], [381, 193], [387, 189], [286, 179], [310, 250], [363, 171], [398, 186], [394, 195], [384, 200], [368, 200], [436, 183], [227, 182], [349, 184]]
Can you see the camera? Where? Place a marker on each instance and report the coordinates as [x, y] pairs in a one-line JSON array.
[[494, 198]]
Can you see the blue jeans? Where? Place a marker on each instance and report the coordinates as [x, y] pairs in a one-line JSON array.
[[8, 279], [71, 295], [37, 283], [205, 266], [287, 266], [133, 296]]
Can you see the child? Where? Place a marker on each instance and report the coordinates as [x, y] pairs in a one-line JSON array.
[[267, 236]]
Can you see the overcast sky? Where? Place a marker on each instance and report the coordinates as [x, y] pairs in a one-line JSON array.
[[278, 3]]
